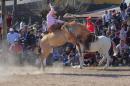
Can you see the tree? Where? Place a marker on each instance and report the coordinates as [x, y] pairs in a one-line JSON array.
[[4, 25]]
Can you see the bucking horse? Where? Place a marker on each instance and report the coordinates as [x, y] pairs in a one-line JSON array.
[[77, 34]]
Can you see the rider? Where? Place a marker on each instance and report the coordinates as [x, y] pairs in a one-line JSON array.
[[52, 22]]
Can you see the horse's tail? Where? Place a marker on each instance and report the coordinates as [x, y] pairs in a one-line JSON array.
[[115, 51]]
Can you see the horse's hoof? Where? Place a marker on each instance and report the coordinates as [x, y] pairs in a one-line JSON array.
[[105, 67], [81, 67]]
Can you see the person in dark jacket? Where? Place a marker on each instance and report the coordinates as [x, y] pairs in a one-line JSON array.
[[128, 36], [123, 7], [30, 41]]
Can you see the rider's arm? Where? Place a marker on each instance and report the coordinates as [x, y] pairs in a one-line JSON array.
[[60, 21]]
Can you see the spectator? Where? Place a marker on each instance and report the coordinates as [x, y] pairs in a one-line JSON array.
[[12, 36], [123, 7], [106, 19], [128, 36], [116, 39], [22, 24], [0, 27], [128, 15], [16, 49], [119, 20], [110, 15], [30, 40], [90, 25], [122, 47], [99, 26], [44, 26], [9, 21], [122, 34]]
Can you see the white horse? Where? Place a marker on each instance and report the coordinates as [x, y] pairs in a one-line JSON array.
[[102, 45]]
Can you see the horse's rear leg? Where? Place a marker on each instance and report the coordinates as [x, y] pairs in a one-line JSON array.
[[107, 58], [101, 61], [43, 63], [44, 56]]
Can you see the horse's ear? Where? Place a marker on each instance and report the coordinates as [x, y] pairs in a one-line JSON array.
[[64, 26]]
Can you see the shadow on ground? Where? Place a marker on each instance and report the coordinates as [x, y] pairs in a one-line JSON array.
[[93, 75]]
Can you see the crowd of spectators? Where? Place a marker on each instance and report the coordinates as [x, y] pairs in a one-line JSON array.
[[114, 24]]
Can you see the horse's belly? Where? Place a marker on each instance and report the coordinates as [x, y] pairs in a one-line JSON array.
[[57, 40], [94, 47]]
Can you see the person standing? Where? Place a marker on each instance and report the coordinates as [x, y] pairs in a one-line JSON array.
[[12, 36], [123, 7], [22, 24], [122, 34], [106, 18], [90, 25], [44, 26], [0, 27], [30, 40]]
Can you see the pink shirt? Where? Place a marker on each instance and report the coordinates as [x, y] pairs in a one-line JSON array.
[[52, 20]]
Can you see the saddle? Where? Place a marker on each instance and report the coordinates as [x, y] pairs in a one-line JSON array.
[[55, 27]]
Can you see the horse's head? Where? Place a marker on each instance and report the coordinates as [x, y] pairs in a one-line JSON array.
[[68, 25]]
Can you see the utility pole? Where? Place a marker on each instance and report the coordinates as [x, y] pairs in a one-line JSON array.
[[4, 31], [14, 11], [4, 25]]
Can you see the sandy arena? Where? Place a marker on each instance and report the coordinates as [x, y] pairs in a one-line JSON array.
[[64, 76]]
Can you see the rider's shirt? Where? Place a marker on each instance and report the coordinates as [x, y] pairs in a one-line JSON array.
[[51, 20]]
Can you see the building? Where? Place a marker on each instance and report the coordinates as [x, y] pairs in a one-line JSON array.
[[103, 1]]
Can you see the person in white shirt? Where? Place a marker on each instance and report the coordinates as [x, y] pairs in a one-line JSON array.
[[22, 25], [122, 47], [0, 20], [106, 19], [123, 7], [12, 36], [44, 26], [122, 34]]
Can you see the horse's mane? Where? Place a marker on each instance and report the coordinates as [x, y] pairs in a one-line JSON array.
[[76, 25]]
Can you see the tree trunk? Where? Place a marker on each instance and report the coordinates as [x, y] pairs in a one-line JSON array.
[[4, 23], [4, 32]]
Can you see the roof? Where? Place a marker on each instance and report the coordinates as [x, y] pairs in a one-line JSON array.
[[94, 14]]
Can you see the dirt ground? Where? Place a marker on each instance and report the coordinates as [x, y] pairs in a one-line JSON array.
[[64, 76]]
